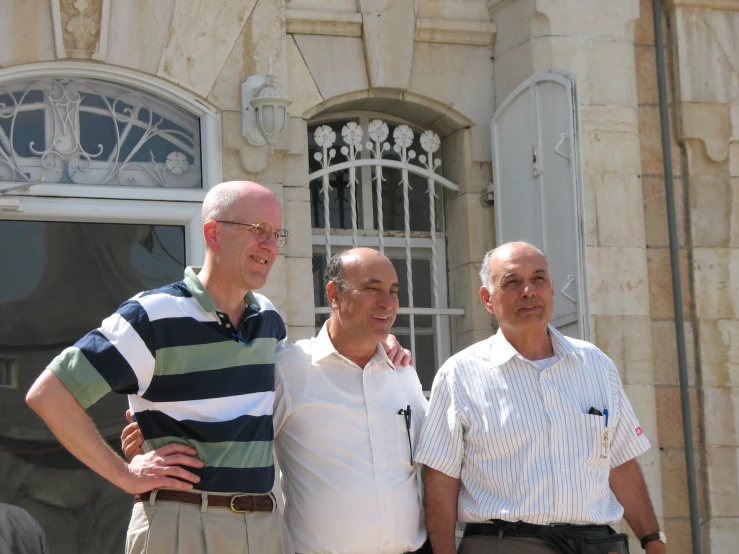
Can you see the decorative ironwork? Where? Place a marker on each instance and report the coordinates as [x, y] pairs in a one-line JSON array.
[[375, 149], [84, 131]]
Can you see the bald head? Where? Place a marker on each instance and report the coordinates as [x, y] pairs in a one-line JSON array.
[[224, 202], [336, 268], [491, 263]]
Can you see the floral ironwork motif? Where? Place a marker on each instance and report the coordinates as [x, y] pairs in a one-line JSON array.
[[177, 163], [85, 131], [403, 136]]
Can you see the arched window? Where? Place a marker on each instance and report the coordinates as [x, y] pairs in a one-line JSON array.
[[375, 182], [92, 132]]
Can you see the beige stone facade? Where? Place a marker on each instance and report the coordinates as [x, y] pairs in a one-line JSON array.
[[446, 66]]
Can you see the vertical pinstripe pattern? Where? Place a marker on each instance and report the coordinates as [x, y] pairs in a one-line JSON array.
[[521, 440]]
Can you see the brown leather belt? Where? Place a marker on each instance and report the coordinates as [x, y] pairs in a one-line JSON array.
[[238, 503]]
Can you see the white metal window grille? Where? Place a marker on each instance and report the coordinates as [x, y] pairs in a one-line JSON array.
[[92, 132], [380, 190]]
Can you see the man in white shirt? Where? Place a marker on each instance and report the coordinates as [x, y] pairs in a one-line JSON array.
[[346, 419], [346, 422], [530, 428]]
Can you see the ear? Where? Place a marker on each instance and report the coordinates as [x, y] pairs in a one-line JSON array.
[[332, 292], [211, 235], [485, 297]]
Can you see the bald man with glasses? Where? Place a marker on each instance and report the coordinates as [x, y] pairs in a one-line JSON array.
[[197, 361]]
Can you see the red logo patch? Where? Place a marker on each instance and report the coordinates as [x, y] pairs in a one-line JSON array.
[[639, 432]]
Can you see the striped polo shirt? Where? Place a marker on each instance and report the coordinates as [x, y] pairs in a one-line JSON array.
[[520, 438], [192, 376]]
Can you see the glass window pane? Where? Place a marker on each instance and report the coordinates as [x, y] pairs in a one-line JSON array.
[[96, 133], [60, 280], [421, 289], [418, 202]]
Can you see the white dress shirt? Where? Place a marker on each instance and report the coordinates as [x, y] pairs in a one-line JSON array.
[[521, 440], [343, 450]]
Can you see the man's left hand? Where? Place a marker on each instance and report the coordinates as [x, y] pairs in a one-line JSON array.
[[398, 355]]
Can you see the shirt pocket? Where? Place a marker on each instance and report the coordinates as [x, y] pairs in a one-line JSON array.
[[594, 442], [403, 434]]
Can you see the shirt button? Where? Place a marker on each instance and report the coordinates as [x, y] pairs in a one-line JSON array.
[[228, 325], [559, 437], [561, 471]]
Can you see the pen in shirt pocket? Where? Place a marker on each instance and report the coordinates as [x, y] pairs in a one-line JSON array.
[[605, 434], [407, 414], [603, 414]]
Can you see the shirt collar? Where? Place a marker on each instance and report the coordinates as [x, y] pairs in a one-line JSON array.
[[323, 348], [502, 351], [200, 293]]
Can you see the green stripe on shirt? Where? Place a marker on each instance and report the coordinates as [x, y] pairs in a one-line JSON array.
[[79, 376], [223, 454], [216, 355]]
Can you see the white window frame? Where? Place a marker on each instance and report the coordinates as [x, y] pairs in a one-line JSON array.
[[78, 210], [210, 134]]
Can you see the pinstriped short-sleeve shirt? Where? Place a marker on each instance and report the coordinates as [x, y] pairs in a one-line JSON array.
[[192, 376], [520, 439]]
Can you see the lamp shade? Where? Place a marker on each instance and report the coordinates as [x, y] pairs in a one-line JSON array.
[[270, 109]]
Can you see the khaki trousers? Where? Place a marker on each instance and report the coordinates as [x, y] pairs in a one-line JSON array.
[[175, 528], [508, 544]]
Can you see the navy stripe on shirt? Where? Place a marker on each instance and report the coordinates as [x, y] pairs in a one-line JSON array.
[[135, 314], [186, 331], [215, 383], [155, 424], [109, 362], [178, 289]]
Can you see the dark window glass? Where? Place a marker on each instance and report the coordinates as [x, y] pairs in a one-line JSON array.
[[97, 135], [59, 281], [27, 132]]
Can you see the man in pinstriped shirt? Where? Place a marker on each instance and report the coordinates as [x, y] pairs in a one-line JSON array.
[[529, 426]]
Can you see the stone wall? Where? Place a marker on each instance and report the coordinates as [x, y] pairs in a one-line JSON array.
[[706, 91], [666, 378]]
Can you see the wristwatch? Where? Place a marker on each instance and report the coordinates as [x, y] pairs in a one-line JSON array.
[[657, 536]]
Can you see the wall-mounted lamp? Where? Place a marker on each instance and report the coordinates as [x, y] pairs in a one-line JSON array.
[[263, 110]]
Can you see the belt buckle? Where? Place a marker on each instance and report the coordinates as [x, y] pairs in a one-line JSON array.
[[233, 499]]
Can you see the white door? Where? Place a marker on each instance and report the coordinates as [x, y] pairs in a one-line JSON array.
[[537, 177]]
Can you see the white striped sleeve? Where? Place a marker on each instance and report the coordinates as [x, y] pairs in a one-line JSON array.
[[442, 438], [628, 439]]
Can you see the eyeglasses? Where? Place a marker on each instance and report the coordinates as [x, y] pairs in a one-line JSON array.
[[263, 231]]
